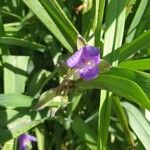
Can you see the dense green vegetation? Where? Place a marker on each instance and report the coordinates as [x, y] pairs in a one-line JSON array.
[[110, 112]]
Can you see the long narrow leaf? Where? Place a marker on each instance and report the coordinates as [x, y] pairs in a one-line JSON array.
[[99, 11], [48, 21], [140, 64], [134, 24], [22, 42], [103, 119], [140, 43], [118, 85], [141, 78], [138, 124]]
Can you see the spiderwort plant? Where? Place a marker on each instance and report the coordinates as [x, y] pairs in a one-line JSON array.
[[85, 62], [24, 141]]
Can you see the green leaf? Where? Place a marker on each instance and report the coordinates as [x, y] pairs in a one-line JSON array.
[[118, 85], [123, 120], [45, 99], [144, 22], [11, 28], [138, 44], [75, 101], [22, 42], [9, 145], [136, 20], [38, 81], [104, 120], [40, 135], [138, 124], [3, 49], [111, 16], [16, 122], [15, 73], [99, 11], [129, 5], [61, 19], [48, 17], [141, 78], [104, 66], [15, 100], [139, 64], [85, 133], [87, 17], [120, 22], [11, 14], [51, 99]]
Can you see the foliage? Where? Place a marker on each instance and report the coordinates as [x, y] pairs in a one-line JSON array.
[[109, 112]]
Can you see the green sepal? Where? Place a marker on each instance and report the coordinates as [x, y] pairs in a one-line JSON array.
[[104, 66], [51, 99], [45, 98], [80, 42]]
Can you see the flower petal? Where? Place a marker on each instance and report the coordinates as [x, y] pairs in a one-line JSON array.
[[22, 147], [92, 53], [31, 138], [75, 59], [89, 72], [24, 139]]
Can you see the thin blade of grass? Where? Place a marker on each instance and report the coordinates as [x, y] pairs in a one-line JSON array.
[[99, 13], [140, 43], [23, 43], [46, 19], [136, 20], [123, 120]]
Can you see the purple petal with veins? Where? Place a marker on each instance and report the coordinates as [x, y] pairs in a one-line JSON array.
[[75, 59], [89, 73]]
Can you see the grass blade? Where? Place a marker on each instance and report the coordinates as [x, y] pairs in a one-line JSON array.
[[138, 123], [140, 43], [136, 20], [48, 21], [22, 42], [99, 11], [104, 120], [123, 120]]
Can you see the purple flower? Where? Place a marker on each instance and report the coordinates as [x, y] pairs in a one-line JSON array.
[[24, 140], [85, 62]]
